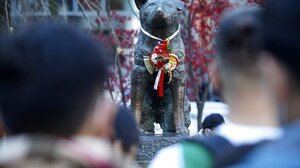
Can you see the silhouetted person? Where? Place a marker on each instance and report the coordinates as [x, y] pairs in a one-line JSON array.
[[114, 125], [126, 137], [50, 77]]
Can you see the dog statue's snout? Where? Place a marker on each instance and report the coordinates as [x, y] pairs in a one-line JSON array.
[[160, 12]]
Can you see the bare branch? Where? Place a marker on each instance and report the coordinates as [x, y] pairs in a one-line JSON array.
[[18, 13], [65, 9], [7, 14], [46, 8], [117, 60], [132, 10], [85, 16]]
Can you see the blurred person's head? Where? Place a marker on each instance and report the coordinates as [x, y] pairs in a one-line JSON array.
[[241, 81], [126, 132], [280, 61], [116, 125], [100, 122], [211, 122], [50, 76]]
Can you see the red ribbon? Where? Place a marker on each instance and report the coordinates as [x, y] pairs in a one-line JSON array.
[[160, 49], [160, 90]]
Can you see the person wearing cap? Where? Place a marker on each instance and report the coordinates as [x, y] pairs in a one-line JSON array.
[[126, 136], [115, 126], [211, 122]]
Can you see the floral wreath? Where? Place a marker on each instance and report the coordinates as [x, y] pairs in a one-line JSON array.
[[162, 59]]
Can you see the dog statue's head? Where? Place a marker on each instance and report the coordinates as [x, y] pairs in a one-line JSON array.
[[159, 13]]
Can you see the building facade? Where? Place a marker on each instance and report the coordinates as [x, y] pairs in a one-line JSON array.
[[82, 13]]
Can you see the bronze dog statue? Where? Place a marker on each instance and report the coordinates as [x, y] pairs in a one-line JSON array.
[[158, 77]]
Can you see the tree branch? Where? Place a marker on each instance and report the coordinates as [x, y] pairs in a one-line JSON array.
[[132, 9], [7, 14]]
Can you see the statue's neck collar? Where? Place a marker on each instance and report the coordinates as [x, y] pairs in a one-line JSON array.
[[159, 39]]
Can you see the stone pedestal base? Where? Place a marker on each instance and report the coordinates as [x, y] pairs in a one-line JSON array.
[[151, 144]]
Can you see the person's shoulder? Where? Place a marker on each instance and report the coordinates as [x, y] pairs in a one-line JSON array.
[[270, 156], [34, 151], [163, 157], [188, 154], [215, 145], [197, 155], [283, 152]]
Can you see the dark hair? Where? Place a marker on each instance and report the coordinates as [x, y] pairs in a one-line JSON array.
[[239, 40], [212, 121], [281, 33], [50, 75], [126, 129]]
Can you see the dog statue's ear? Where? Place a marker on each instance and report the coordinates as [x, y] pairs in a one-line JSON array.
[[140, 3], [180, 5]]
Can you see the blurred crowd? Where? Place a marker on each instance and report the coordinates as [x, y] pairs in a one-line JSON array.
[[54, 113]]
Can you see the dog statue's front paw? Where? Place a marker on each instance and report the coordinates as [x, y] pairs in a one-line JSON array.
[[144, 132], [182, 131]]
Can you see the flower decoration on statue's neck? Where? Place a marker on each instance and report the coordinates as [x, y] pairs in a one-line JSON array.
[[162, 59]]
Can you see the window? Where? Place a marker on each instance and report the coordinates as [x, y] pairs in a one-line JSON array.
[[77, 5], [68, 4], [116, 4], [89, 5]]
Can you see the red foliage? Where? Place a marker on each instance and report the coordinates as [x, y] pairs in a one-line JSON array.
[[120, 42], [200, 22]]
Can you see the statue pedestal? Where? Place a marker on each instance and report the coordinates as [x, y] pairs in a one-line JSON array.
[[151, 144]]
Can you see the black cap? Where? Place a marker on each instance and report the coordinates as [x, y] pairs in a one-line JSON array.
[[126, 128], [212, 121]]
